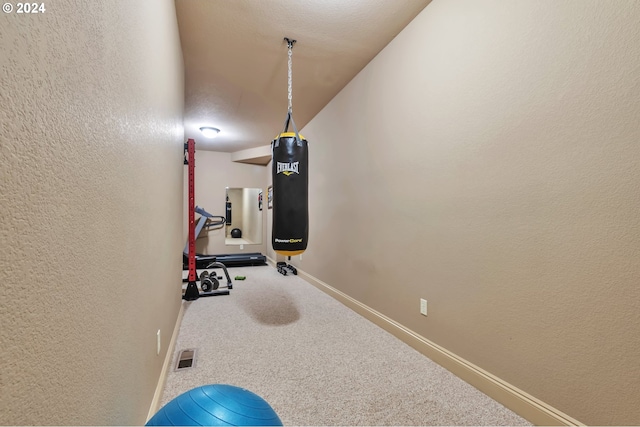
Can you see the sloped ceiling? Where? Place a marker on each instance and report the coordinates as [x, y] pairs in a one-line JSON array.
[[235, 60]]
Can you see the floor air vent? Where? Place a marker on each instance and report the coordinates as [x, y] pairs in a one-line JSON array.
[[186, 359]]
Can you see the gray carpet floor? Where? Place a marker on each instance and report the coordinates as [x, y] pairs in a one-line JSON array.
[[318, 362]]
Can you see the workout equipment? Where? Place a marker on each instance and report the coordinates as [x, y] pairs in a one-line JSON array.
[[192, 293], [211, 281], [208, 282], [216, 405], [210, 276], [236, 233], [206, 222], [239, 277], [290, 173], [284, 268], [248, 259]]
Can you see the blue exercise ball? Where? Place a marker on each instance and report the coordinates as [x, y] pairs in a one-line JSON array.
[[216, 405]]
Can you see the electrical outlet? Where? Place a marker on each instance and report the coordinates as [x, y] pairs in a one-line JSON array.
[[241, 247], [423, 306], [158, 342], [300, 257]]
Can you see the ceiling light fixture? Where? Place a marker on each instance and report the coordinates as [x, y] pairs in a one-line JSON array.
[[209, 132]]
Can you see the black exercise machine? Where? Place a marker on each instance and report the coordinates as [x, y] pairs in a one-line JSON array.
[[208, 221], [229, 260]]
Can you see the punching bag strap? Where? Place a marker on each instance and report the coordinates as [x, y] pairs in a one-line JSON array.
[[288, 120]]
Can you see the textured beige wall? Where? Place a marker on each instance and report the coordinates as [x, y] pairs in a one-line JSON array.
[[215, 172], [488, 160], [91, 138]]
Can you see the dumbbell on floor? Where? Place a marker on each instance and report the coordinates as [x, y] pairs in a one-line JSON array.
[[208, 282]]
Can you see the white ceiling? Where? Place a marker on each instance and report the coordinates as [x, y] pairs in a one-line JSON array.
[[235, 60]]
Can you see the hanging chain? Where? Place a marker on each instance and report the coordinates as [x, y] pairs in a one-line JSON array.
[[290, 81]]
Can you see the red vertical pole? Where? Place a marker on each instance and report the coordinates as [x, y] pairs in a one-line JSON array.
[[191, 151], [192, 293]]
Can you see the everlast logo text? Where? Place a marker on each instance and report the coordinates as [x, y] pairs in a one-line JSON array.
[[288, 168]]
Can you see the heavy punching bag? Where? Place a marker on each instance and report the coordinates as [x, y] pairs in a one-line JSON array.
[[290, 174]]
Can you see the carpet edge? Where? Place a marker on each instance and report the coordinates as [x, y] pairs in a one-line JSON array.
[[520, 402]]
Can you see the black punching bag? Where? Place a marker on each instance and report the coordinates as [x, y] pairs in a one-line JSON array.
[[290, 171]]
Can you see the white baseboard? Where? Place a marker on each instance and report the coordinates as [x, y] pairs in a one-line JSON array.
[[157, 396], [523, 404]]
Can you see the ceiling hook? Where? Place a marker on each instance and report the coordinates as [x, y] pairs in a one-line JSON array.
[[290, 42]]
